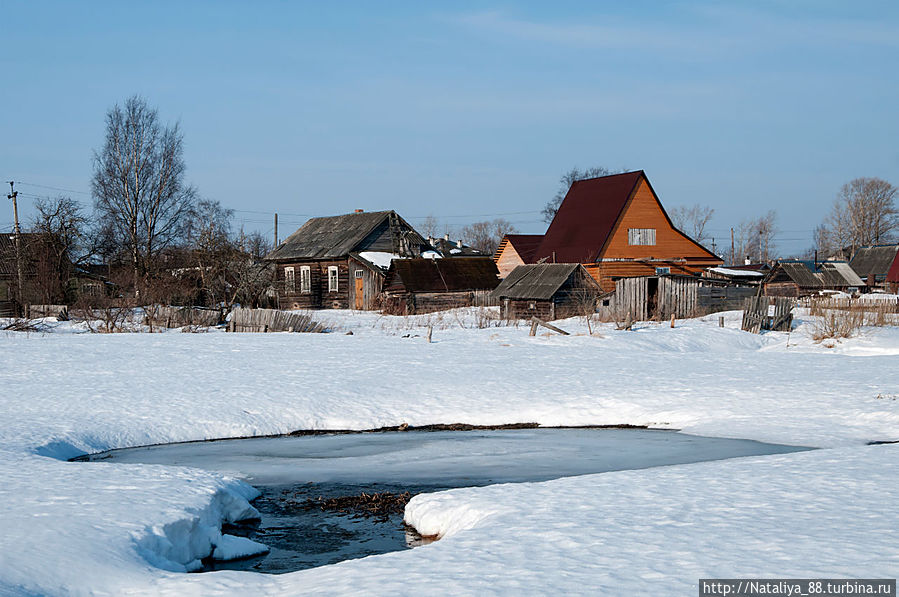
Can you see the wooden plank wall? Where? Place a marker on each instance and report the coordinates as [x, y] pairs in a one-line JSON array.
[[176, 317], [678, 297]]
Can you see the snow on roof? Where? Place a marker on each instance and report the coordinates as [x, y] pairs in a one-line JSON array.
[[431, 255], [724, 271], [379, 258]]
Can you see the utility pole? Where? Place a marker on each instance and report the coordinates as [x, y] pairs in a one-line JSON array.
[[276, 230], [732, 256], [13, 193]]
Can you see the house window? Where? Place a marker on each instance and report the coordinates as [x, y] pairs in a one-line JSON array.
[[661, 271], [641, 236], [305, 279], [358, 273], [532, 305], [332, 278], [290, 281]]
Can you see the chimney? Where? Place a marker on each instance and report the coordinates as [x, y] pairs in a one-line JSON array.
[[431, 240], [446, 236], [460, 243], [747, 261], [359, 211]]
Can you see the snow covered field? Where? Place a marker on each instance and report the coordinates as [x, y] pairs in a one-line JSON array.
[[97, 528]]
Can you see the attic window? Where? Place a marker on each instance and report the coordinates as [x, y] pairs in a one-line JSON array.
[[332, 278], [661, 271], [641, 236]]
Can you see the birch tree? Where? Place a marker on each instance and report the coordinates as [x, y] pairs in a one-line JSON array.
[[138, 184]]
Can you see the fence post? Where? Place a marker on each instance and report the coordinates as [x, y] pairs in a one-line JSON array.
[[721, 321]]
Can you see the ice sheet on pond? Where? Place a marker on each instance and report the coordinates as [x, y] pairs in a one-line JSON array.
[[466, 457]]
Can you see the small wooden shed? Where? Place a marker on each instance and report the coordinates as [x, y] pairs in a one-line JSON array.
[[548, 291], [415, 286]]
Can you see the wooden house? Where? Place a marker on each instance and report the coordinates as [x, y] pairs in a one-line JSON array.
[[453, 248], [414, 286], [339, 262], [548, 291], [515, 250], [616, 227], [801, 278], [872, 264]]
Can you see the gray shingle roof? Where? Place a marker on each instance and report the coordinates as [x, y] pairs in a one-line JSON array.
[[839, 274], [800, 274], [536, 281], [329, 237], [874, 260]]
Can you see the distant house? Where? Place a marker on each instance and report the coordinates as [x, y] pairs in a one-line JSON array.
[[548, 291], [616, 227], [425, 285], [736, 275], [801, 278], [339, 262], [872, 264], [453, 248], [515, 250]]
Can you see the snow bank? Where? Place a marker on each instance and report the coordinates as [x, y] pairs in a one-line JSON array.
[[78, 528]]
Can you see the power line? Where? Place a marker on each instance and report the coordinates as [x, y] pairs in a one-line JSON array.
[[42, 186]]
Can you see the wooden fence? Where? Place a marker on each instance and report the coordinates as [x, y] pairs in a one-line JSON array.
[[59, 311], [176, 317], [756, 318], [868, 303], [272, 320]]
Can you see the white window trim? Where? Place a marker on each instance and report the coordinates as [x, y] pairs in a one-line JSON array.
[[305, 279], [641, 236], [333, 278], [290, 280]]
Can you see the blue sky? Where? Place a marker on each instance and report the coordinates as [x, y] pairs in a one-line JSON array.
[[465, 110]]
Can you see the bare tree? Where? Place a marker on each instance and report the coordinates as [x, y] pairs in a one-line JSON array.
[[755, 239], [59, 230], [429, 227], [138, 183], [208, 236], [568, 179], [692, 220], [864, 213], [486, 236]]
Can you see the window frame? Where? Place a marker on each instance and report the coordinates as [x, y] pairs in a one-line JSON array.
[[290, 279], [305, 279], [333, 278]]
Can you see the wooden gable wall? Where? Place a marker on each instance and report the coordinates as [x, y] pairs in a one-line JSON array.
[[672, 248], [507, 259]]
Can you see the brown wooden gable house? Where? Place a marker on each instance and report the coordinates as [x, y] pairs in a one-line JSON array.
[[616, 227], [339, 262], [515, 250], [426, 285], [548, 291]]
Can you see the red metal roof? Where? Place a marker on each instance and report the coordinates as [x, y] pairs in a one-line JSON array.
[[586, 218], [525, 245], [893, 274]]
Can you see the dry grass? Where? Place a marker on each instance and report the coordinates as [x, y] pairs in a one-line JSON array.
[[840, 318]]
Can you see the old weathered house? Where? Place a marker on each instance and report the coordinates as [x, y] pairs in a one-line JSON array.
[[425, 285], [548, 291], [339, 262], [872, 264], [801, 278], [616, 227], [515, 250]]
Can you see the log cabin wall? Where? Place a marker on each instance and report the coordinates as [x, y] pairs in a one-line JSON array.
[[318, 297]]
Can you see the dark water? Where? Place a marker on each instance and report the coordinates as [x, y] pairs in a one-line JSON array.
[[302, 538], [290, 470]]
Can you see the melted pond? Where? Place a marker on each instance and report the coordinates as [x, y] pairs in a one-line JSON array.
[[302, 479]]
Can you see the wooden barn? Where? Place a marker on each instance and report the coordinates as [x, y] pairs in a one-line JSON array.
[[872, 264], [616, 227], [416, 286], [547, 291], [339, 262], [800, 278], [515, 250]]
